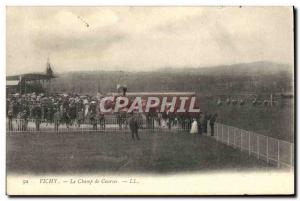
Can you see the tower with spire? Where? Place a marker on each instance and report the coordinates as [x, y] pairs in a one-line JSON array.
[[49, 70]]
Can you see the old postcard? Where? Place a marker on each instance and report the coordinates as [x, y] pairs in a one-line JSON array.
[[150, 100]]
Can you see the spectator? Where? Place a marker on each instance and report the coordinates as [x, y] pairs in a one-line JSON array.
[[24, 118], [194, 127], [101, 118], [19, 121], [134, 127], [93, 120], [200, 123], [56, 119], [10, 119], [212, 123], [80, 117], [205, 120], [65, 117], [37, 114]]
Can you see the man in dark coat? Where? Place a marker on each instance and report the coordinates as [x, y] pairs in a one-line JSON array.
[[37, 114], [56, 119], [200, 123], [10, 120], [93, 120], [212, 123], [24, 117], [206, 118], [80, 117], [65, 118], [72, 113], [101, 118], [134, 127]]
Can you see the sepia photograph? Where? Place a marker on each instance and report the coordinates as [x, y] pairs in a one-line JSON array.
[[130, 100]]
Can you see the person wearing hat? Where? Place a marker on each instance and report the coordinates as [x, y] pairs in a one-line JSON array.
[[10, 119], [20, 120], [92, 114], [134, 126], [200, 123], [194, 127], [93, 120], [65, 117], [24, 118], [212, 123], [15, 108], [100, 117], [56, 119], [206, 119], [50, 112], [37, 115], [72, 112], [80, 117]]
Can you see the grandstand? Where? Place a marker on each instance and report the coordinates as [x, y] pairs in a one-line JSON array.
[[30, 82]]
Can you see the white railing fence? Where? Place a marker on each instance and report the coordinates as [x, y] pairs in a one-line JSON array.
[[273, 151], [108, 123]]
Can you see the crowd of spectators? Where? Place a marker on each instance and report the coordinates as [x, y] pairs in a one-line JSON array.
[[66, 109], [75, 110]]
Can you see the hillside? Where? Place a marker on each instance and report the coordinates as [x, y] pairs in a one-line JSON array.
[[250, 69], [249, 77]]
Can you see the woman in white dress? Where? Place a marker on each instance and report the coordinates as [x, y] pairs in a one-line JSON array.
[[163, 123], [194, 129]]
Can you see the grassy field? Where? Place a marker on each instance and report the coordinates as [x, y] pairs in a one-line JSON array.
[[116, 152], [274, 121]]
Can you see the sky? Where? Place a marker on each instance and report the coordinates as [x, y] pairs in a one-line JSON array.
[[144, 38]]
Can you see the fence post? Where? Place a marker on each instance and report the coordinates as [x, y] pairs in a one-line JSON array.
[[219, 127], [267, 149], [257, 141], [228, 136], [43, 112], [249, 142], [278, 154], [241, 136], [292, 154], [217, 133], [222, 132], [234, 137]]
